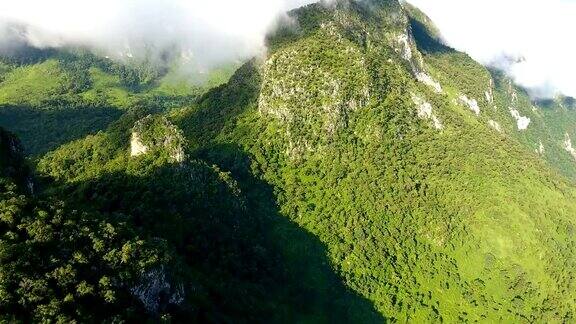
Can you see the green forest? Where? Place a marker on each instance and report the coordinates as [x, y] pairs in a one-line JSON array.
[[361, 172]]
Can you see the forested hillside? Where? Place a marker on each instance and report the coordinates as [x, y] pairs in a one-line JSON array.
[[53, 96], [184, 242], [362, 171]]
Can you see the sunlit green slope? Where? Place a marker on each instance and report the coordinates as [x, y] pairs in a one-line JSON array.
[[545, 127]]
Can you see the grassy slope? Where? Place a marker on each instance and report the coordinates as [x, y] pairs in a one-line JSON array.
[[30, 85]]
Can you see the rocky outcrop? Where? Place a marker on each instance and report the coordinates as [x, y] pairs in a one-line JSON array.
[[155, 291], [490, 92], [10, 150], [495, 125], [521, 121], [425, 111], [471, 103], [429, 81], [303, 90], [406, 48], [12, 162], [136, 146], [156, 133], [568, 146], [541, 149]]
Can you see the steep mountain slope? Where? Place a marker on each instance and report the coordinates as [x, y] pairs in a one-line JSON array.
[[544, 126], [388, 157], [362, 171], [208, 249]]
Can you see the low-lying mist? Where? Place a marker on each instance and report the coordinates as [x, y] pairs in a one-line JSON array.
[[200, 33]]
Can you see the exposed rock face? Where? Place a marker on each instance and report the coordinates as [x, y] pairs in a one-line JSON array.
[[154, 133], [541, 150], [405, 48], [490, 92], [328, 77], [522, 121], [155, 291], [136, 145], [287, 96], [10, 149], [568, 146], [425, 111], [495, 125], [471, 103], [414, 59], [512, 92], [12, 162], [429, 81]]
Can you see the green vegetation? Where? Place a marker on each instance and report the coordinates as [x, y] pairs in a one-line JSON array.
[[323, 183], [456, 224], [12, 162], [550, 120], [49, 98], [61, 264], [183, 242]]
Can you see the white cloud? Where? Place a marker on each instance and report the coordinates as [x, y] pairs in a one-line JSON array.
[[210, 31], [213, 31], [540, 31]]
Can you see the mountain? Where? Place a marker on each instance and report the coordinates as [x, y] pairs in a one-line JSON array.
[[362, 171]]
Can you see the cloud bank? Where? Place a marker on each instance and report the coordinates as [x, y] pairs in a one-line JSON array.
[[492, 31], [210, 32], [206, 32]]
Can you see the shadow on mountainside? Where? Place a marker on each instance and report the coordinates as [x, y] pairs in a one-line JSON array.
[[222, 105], [42, 130], [300, 277], [427, 43], [314, 288], [243, 261]]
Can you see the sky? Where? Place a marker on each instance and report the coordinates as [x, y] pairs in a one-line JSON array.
[[210, 32], [538, 31]]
